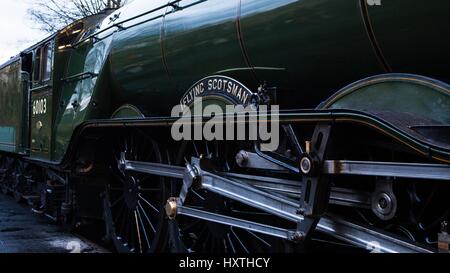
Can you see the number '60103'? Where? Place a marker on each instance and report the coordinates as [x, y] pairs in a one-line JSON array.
[[40, 107]]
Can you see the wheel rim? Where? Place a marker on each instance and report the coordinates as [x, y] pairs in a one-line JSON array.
[[194, 235], [134, 201]]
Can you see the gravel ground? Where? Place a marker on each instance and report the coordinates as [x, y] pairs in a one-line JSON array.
[[22, 231]]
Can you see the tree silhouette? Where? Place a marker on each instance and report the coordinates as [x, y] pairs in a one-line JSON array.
[[53, 15]]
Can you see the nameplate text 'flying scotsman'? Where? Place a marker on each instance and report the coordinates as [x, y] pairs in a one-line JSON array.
[[220, 86]]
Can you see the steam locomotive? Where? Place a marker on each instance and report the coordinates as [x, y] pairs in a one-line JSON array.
[[364, 154]]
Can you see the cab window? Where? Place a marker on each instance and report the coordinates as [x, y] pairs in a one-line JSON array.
[[37, 66], [47, 63], [43, 63]]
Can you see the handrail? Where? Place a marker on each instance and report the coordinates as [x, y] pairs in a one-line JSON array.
[[121, 28], [41, 87], [80, 77], [118, 25]]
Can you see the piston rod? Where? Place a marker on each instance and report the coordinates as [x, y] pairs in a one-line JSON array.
[[388, 169]]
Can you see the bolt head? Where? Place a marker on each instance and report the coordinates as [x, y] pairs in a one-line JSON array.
[[383, 203], [298, 237], [301, 211], [171, 208], [306, 165], [242, 158]]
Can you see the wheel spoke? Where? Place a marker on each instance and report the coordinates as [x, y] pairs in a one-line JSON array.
[[117, 201], [258, 238], [207, 149], [224, 245], [138, 231], [198, 195], [146, 217], [239, 240], [148, 203], [143, 229], [216, 145], [195, 149], [231, 243]]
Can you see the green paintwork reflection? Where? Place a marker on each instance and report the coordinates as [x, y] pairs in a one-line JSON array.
[[127, 111], [321, 45], [79, 100], [291, 44], [421, 97], [414, 36]]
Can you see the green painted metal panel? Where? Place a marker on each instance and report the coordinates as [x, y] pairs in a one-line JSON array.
[[414, 36], [41, 124], [419, 96], [13, 107], [308, 49], [290, 44], [7, 139]]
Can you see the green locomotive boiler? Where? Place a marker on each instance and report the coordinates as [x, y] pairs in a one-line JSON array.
[[364, 154]]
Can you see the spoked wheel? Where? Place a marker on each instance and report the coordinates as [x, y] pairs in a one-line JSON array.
[[134, 201], [190, 234]]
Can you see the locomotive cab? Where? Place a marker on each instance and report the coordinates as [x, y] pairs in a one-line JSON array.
[[41, 96], [51, 75]]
